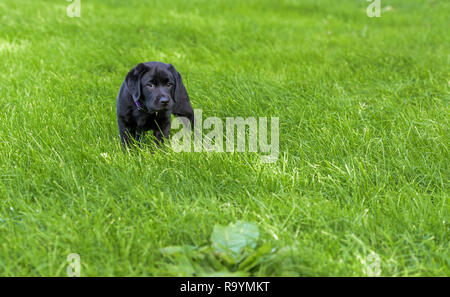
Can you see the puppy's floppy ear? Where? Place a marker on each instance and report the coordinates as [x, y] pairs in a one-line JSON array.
[[183, 106], [133, 80]]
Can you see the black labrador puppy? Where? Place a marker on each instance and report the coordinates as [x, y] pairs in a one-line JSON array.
[[150, 93]]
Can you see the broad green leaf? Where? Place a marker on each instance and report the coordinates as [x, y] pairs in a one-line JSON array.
[[230, 242], [254, 259], [225, 274], [176, 250]]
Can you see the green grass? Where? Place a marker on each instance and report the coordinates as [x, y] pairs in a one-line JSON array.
[[364, 134]]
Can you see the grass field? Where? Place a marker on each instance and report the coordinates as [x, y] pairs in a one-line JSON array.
[[362, 102]]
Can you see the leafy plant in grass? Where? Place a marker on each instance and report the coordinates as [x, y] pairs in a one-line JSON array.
[[233, 251]]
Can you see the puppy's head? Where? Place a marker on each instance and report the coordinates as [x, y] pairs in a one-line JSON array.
[[155, 85]]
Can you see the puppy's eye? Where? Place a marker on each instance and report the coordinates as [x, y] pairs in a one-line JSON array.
[[169, 84], [151, 85]]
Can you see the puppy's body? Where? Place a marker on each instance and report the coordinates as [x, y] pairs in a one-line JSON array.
[[150, 93]]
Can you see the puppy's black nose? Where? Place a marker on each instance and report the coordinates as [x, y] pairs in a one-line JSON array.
[[164, 100]]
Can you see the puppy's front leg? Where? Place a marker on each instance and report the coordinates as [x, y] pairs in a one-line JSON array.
[[162, 130], [161, 135], [127, 134], [139, 137]]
